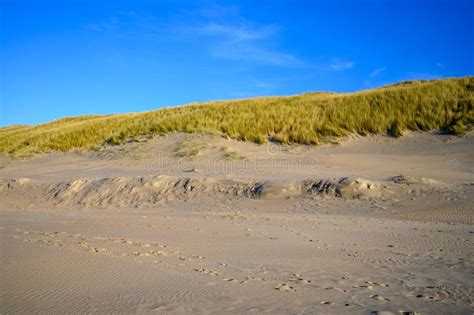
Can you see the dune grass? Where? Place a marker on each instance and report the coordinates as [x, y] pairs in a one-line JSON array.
[[187, 148], [309, 118]]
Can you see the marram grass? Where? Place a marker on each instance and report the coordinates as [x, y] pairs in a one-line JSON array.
[[309, 118]]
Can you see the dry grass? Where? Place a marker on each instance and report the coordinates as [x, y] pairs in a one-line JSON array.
[[189, 149], [309, 118], [231, 154]]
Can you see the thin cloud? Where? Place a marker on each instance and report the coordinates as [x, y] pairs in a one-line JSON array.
[[249, 52], [104, 25], [223, 32], [341, 64], [214, 12], [233, 37], [236, 33], [377, 72]]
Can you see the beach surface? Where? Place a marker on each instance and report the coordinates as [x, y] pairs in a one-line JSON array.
[[201, 224]]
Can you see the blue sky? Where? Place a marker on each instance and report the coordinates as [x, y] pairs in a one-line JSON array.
[[68, 58]]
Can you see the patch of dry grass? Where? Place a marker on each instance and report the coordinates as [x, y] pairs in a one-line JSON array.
[[231, 154], [189, 149]]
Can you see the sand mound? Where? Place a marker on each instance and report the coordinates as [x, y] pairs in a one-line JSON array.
[[124, 191], [150, 190], [142, 191], [346, 188], [408, 180]]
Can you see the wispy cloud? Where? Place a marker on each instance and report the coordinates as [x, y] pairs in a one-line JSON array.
[[103, 25], [377, 72], [236, 33], [338, 64], [245, 52], [231, 36], [221, 30], [214, 11]]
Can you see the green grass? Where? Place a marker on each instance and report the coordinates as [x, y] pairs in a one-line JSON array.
[[309, 118]]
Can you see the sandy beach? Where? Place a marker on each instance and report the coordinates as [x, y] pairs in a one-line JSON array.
[[200, 224]]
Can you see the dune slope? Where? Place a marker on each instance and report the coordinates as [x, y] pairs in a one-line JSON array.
[[308, 118]]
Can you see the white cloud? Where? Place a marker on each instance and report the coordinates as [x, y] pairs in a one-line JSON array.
[[231, 36], [252, 52], [236, 33], [377, 72], [341, 64], [222, 30]]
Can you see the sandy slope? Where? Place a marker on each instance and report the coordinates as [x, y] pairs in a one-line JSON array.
[[199, 224]]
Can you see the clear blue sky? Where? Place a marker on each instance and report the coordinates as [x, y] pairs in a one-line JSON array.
[[67, 58]]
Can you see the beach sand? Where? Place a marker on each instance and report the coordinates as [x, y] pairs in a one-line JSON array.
[[200, 224]]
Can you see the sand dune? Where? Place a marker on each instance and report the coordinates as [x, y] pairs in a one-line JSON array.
[[200, 224]]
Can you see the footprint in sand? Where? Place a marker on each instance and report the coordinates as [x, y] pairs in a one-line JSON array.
[[206, 271], [283, 287], [83, 242], [369, 285], [377, 284], [378, 297], [230, 280], [336, 289], [150, 253], [299, 279], [192, 257], [391, 313]]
